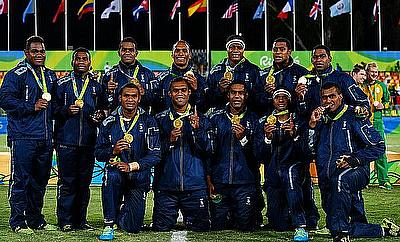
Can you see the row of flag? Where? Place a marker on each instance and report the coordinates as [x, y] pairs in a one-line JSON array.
[[341, 7]]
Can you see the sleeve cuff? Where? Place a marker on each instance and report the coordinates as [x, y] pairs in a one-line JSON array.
[[244, 141], [267, 141]]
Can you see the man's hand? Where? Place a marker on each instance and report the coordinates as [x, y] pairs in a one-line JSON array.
[[224, 84], [122, 166], [301, 90], [111, 85], [316, 116], [268, 130], [238, 130], [210, 185], [342, 162], [289, 127], [192, 80], [41, 104], [194, 119], [175, 134], [73, 109], [269, 87], [120, 146]]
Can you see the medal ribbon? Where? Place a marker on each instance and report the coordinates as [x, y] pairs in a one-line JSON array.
[[121, 122], [42, 84], [135, 72], [185, 114], [340, 114], [75, 87], [280, 113], [231, 69]]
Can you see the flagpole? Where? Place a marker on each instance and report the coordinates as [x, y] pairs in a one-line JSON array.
[[8, 25], [150, 36], [35, 14], [237, 20], [66, 24], [294, 25], [179, 24], [322, 23], [208, 35], [379, 26], [351, 25], [120, 19], [94, 25], [265, 26]]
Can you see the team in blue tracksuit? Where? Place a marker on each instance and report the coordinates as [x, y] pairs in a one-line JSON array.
[[75, 138], [130, 70], [29, 135], [343, 167], [233, 168], [128, 169], [180, 179], [284, 168], [181, 67]]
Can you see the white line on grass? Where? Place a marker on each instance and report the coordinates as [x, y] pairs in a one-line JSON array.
[[178, 236]]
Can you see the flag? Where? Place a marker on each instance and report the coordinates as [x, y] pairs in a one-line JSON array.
[[3, 7], [176, 6], [260, 10], [341, 7], [315, 9], [234, 7], [143, 7], [29, 10], [61, 9], [199, 6], [375, 11], [87, 7], [113, 7], [287, 8]]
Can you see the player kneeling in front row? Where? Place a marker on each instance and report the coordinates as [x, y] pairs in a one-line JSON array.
[[129, 144]]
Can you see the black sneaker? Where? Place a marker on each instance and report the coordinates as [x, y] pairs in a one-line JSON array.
[[67, 228], [341, 238], [87, 227], [390, 227]]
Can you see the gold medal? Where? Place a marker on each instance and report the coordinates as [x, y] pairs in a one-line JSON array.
[[271, 119], [189, 73], [178, 123], [270, 79], [302, 80], [46, 96], [135, 81], [235, 119], [79, 103], [228, 75], [128, 137]]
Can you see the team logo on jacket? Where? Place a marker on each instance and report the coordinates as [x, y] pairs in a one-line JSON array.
[[141, 129], [201, 203], [248, 201]]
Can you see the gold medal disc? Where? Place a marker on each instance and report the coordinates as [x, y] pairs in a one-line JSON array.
[[128, 138], [46, 96], [235, 119], [271, 120], [270, 79], [189, 73], [135, 81], [79, 103], [178, 123], [228, 76]]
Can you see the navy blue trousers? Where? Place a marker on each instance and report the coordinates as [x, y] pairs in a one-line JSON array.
[[239, 202], [75, 169], [343, 203], [193, 204], [285, 209], [30, 172], [311, 210], [124, 203]]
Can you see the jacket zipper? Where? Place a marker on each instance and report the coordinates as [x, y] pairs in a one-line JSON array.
[[330, 149], [181, 162], [80, 127], [231, 160]]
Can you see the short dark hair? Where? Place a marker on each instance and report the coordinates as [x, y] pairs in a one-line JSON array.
[[235, 36], [178, 79], [81, 49], [322, 47], [128, 85], [128, 40], [281, 39], [33, 39], [328, 85], [237, 81], [357, 68], [181, 41]]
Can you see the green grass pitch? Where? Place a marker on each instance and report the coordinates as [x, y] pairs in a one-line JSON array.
[[378, 203]]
